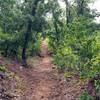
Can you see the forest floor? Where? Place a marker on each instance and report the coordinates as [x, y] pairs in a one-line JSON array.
[[41, 81]]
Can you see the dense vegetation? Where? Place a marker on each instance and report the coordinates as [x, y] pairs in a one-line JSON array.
[[72, 33]]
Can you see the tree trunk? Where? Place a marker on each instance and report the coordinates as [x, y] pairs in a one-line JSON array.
[[6, 50], [80, 7], [26, 43], [27, 34], [67, 12]]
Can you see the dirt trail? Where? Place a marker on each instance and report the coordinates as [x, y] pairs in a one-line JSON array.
[[42, 81]]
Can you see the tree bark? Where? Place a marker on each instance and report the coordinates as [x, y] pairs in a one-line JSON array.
[[26, 43], [80, 7], [68, 13], [27, 34]]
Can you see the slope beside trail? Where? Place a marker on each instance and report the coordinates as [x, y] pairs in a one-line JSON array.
[[42, 81]]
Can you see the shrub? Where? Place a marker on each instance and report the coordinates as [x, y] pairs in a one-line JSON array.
[[85, 96]]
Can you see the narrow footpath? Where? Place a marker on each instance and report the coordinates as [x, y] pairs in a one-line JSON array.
[[43, 82]]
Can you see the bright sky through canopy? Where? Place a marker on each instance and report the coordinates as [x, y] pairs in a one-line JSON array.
[[95, 5]]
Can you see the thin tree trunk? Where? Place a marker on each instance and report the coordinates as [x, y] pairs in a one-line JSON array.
[[6, 51], [26, 43], [80, 7], [27, 34], [67, 12]]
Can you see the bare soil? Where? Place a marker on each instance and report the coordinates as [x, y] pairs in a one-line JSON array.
[[42, 81]]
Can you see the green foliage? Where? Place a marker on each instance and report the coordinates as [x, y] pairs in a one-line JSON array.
[[9, 44], [2, 68], [74, 38], [65, 58], [78, 49], [14, 18], [76, 46], [85, 96], [97, 86], [67, 74], [35, 47], [92, 57]]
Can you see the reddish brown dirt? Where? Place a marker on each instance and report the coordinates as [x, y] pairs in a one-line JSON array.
[[42, 81]]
